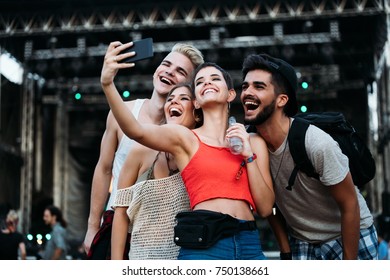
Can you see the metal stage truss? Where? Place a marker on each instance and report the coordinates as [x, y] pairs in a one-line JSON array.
[[66, 33], [161, 15]]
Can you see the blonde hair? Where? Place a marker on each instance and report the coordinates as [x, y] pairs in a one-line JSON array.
[[189, 51], [12, 218]]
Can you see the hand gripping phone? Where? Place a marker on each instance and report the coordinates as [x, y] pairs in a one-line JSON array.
[[143, 49]]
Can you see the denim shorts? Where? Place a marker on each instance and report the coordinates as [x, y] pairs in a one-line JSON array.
[[244, 245]]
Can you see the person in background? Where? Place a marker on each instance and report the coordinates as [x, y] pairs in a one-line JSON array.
[[56, 247], [388, 250], [383, 249], [151, 191], [220, 184], [12, 242], [175, 68], [318, 219]]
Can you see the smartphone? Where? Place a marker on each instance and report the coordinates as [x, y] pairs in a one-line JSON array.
[[143, 49]]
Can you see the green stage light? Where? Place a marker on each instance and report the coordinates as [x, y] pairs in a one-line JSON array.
[[126, 94], [77, 96]]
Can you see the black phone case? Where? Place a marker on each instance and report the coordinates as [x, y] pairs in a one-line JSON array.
[[143, 49]]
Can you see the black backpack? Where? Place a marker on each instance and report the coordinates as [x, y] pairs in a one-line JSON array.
[[361, 162]]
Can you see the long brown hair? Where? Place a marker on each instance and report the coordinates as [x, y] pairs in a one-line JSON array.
[[55, 211]]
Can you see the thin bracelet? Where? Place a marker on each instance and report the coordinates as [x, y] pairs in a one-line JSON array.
[[252, 158], [242, 164]]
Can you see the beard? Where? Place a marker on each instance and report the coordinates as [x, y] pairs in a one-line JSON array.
[[263, 115]]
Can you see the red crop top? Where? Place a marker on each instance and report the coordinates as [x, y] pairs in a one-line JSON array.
[[211, 173]]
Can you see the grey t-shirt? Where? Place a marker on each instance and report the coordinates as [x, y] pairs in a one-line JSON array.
[[309, 209], [57, 240]]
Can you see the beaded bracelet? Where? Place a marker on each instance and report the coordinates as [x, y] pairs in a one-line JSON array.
[[252, 158], [248, 160]]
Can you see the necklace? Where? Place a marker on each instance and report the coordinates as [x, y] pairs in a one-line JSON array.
[[284, 150], [280, 163]]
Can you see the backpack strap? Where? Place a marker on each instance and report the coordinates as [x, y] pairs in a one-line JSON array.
[[296, 144]]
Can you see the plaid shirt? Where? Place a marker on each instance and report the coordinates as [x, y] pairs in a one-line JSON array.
[[333, 249], [101, 244]]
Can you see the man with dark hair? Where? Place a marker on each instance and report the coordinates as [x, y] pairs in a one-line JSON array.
[[56, 247], [326, 218]]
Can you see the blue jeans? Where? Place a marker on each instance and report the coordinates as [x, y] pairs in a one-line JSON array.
[[242, 246]]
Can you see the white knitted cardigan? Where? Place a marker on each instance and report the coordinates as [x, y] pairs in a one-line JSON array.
[[152, 207]]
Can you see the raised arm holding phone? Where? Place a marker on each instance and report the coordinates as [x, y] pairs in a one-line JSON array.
[[206, 164]]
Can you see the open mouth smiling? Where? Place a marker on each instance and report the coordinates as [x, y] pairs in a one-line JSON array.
[[166, 81], [251, 105], [209, 90], [175, 112]]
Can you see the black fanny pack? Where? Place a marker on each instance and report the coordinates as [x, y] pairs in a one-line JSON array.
[[200, 229]]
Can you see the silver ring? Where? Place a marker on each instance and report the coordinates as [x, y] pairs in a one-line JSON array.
[[115, 59]]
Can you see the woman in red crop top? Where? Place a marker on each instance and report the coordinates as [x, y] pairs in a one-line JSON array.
[[216, 180], [146, 173]]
